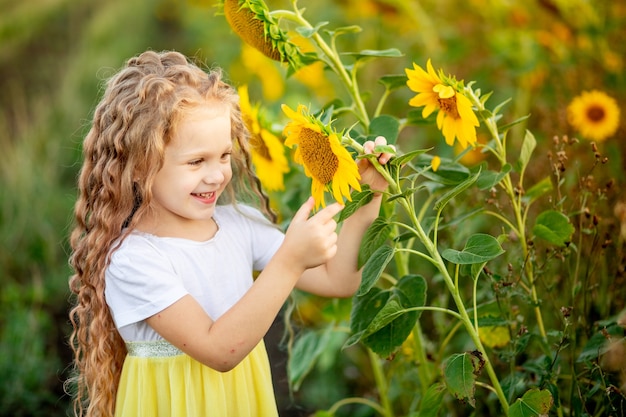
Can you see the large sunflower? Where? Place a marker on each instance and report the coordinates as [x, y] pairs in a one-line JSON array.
[[594, 114], [455, 119], [268, 152], [319, 150]]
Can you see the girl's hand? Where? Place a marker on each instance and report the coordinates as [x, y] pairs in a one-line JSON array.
[[310, 242], [369, 175]]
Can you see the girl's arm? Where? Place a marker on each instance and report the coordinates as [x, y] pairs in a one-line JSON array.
[[340, 276], [223, 343]]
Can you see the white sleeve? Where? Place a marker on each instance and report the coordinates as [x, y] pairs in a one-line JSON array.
[[140, 282]]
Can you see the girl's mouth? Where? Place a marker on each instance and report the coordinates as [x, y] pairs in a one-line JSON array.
[[204, 195], [208, 197]]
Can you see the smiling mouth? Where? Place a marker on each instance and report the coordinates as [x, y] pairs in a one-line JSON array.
[[210, 194]]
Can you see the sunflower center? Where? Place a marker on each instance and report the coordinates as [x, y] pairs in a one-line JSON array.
[[448, 105], [259, 146], [318, 155], [595, 113]]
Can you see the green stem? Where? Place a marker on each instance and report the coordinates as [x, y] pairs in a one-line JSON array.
[[333, 61], [356, 400], [516, 202], [463, 315], [381, 384]]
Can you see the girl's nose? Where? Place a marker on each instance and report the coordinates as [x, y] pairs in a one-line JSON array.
[[214, 175]]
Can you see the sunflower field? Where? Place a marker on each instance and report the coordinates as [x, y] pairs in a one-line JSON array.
[[494, 279]]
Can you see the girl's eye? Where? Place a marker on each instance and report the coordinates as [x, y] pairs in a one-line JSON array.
[[226, 155], [195, 162]]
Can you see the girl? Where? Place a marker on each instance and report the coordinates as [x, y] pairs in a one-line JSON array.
[[168, 320]]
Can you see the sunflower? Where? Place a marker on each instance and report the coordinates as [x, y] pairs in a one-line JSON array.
[[268, 152], [252, 21], [594, 114], [320, 151], [455, 119]]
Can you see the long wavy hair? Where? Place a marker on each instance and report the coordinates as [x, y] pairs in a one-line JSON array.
[[123, 151]]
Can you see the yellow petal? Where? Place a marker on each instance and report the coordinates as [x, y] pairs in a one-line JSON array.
[[435, 163]]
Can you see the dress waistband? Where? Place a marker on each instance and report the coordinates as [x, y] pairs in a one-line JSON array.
[[159, 348]]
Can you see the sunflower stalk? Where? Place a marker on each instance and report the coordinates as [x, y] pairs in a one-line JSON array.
[[515, 198], [331, 58]]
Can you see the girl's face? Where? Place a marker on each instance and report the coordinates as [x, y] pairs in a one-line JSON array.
[[195, 172]]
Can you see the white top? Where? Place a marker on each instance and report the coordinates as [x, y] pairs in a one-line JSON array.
[[148, 273]]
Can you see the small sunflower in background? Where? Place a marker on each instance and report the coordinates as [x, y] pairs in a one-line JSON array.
[[320, 152], [594, 114], [455, 117], [268, 152]]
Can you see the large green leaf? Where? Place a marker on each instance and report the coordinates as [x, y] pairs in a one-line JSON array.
[[380, 318], [534, 403], [374, 238], [479, 248], [460, 376], [305, 353], [374, 267], [554, 227]]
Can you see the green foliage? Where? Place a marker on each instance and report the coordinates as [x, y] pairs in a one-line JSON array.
[[550, 202], [502, 326]]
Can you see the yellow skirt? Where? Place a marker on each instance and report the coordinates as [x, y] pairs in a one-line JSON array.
[[158, 380]]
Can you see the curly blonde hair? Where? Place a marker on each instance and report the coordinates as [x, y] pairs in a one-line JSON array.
[[123, 151]]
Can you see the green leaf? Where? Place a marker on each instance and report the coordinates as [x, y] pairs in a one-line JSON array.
[[598, 342], [308, 32], [306, 350], [448, 173], [374, 238], [371, 53], [381, 319], [345, 29], [359, 199], [460, 377], [432, 401], [404, 158], [479, 248], [488, 179], [374, 267], [393, 81], [542, 187], [554, 227], [507, 126], [534, 403], [528, 146], [445, 199], [385, 125]]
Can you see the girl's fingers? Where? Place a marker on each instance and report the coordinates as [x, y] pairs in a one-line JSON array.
[[303, 212], [329, 212]]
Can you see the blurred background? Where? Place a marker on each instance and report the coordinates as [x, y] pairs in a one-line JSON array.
[[55, 55]]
